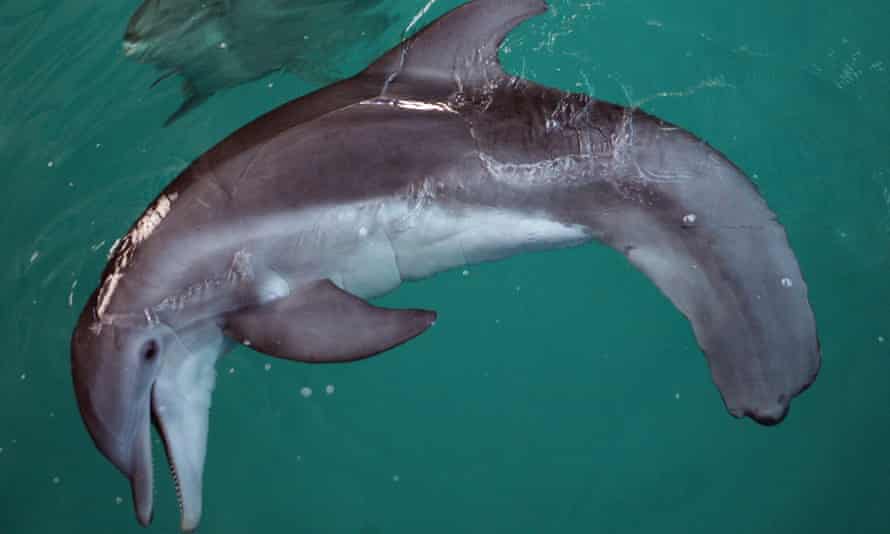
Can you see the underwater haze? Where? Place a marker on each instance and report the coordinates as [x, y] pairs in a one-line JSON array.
[[559, 391]]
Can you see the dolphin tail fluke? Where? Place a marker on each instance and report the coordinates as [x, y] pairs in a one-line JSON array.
[[704, 235], [321, 323]]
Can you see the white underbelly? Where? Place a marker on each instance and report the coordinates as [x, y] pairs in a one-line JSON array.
[[397, 242], [370, 248]]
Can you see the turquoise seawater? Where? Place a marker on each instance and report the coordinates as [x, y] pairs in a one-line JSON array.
[[559, 392]]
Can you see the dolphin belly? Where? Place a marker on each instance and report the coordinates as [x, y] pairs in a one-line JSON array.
[[369, 256], [449, 235]]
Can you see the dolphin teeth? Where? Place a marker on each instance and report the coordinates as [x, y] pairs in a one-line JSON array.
[[176, 485]]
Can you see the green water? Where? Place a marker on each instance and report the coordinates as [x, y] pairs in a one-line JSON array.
[[559, 392]]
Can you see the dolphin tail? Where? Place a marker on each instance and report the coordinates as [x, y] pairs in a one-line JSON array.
[[702, 233], [679, 210]]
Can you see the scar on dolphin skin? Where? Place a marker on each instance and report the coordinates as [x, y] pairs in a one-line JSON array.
[[277, 237]]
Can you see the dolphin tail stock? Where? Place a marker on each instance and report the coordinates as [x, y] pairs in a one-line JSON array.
[[703, 234], [321, 323]]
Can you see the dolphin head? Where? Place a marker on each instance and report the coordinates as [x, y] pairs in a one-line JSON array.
[[129, 374], [159, 29]]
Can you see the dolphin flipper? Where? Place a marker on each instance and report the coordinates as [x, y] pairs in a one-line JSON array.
[[192, 100], [321, 323]]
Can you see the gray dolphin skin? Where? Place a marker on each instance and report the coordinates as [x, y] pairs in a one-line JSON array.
[[218, 44], [430, 159]]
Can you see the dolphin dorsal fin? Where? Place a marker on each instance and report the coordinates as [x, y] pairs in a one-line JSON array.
[[459, 48]]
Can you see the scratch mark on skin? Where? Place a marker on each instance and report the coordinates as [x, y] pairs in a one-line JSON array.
[[256, 155], [405, 46]]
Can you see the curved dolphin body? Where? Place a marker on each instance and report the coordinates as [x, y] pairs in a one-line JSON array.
[[218, 44], [430, 159]]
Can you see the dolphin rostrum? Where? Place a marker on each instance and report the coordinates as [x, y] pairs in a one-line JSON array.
[[431, 158]]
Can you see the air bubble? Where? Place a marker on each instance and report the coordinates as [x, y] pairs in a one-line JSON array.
[[118, 500], [56, 480], [689, 219], [466, 272], [306, 392], [23, 376], [677, 396], [268, 366], [50, 164], [396, 478], [329, 389], [881, 339], [223, 45], [786, 282], [363, 232], [231, 370]]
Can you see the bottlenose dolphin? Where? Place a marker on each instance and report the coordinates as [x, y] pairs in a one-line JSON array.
[[430, 159], [218, 44]]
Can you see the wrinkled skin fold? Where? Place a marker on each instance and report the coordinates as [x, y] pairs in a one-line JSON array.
[[432, 158]]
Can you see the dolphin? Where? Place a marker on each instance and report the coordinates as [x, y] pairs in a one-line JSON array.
[[219, 44], [432, 158]]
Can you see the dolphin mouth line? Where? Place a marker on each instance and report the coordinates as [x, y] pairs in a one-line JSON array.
[[134, 48], [158, 423]]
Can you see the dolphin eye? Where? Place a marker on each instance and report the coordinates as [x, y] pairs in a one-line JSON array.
[[150, 350]]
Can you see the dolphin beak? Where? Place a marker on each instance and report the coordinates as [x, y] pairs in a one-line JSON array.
[[183, 427], [141, 475], [133, 48]]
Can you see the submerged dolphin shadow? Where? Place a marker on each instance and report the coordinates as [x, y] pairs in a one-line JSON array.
[[218, 44], [430, 159]]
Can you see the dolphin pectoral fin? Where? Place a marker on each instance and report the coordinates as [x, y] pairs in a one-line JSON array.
[[163, 77], [718, 253], [458, 48], [321, 323], [192, 100]]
